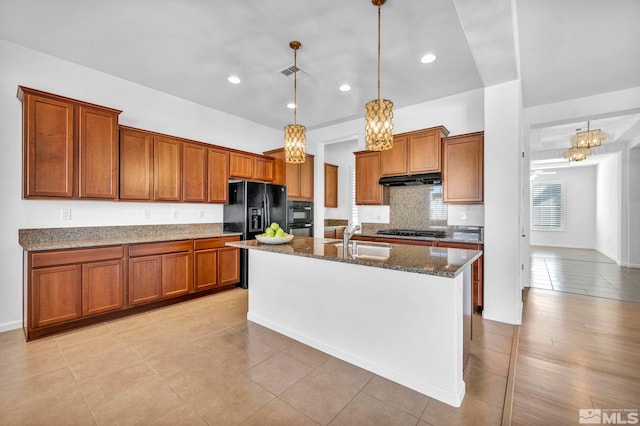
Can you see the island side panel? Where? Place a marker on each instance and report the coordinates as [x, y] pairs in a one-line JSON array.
[[404, 326]]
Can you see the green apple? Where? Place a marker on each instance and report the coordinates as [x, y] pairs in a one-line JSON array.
[[274, 226], [280, 233], [269, 232]]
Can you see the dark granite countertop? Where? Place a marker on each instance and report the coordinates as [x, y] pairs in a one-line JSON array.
[[443, 262], [96, 236]]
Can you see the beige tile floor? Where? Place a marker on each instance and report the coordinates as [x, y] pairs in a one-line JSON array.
[[202, 362], [582, 271]]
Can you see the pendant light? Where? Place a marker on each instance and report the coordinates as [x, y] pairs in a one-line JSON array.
[[378, 113], [294, 134]]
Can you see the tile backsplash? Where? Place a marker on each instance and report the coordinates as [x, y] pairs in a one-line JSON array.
[[417, 207]]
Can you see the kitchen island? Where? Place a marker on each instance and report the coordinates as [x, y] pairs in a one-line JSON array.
[[400, 311]]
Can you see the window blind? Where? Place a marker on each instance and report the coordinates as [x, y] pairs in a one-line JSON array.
[[547, 205]]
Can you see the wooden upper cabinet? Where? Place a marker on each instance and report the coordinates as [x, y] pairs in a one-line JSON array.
[[263, 168], [98, 153], [394, 160], [194, 173], [251, 166], [167, 169], [330, 185], [463, 168], [368, 173], [297, 176], [69, 147], [414, 152], [218, 185], [136, 165], [306, 178], [241, 165]]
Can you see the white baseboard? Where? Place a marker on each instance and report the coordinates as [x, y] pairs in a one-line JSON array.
[[563, 246], [8, 326], [610, 256]]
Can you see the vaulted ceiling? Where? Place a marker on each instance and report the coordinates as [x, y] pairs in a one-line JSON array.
[[561, 49]]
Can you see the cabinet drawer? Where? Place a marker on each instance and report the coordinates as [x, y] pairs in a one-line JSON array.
[[64, 257], [465, 246], [159, 248], [209, 243]]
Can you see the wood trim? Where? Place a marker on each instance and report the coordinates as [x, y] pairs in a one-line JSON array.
[[69, 256], [148, 249]]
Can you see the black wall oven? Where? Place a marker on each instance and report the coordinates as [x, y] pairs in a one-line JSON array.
[[300, 218]]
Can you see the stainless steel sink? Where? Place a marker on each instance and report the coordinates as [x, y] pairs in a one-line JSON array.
[[378, 252]]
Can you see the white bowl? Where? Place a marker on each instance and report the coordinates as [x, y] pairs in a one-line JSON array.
[[274, 240]]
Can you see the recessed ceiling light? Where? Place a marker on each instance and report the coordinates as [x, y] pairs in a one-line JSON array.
[[233, 79], [428, 58], [291, 105], [345, 88]]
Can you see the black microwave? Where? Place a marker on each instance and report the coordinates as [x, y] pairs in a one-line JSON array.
[[300, 212]]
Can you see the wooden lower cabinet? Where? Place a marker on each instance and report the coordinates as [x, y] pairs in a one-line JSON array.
[[102, 286], [72, 287], [56, 295], [215, 264]]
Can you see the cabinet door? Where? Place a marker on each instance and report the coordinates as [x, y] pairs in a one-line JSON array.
[[294, 188], [394, 160], [424, 152], [194, 173], [102, 286], [368, 190], [55, 295], [218, 176], [240, 165], [136, 166], [176, 274], [167, 169], [48, 147], [306, 179], [330, 233], [145, 279], [98, 153], [228, 265], [463, 158], [263, 169], [330, 185], [206, 269]]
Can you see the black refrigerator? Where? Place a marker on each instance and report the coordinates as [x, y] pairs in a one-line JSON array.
[[252, 207]]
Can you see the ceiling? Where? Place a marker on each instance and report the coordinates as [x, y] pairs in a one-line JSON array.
[[563, 50]]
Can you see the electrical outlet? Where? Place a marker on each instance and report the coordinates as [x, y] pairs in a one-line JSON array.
[[201, 214], [463, 216], [146, 213], [174, 214], [65, 214]]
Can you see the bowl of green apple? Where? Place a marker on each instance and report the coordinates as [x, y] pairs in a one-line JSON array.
[[273, 234]]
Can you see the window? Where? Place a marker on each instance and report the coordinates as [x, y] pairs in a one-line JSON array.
[[438, 211], [547, 206]]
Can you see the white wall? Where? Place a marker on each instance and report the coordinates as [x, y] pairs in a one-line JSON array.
[[634, 208], [142, 107], [579, 209], [608, 207], [502, 148]]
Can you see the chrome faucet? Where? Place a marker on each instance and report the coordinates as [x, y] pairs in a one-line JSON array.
[[348, 234]]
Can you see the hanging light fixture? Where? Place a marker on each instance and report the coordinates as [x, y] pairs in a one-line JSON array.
[[378, 113], [589, 138], [294, 134], [582, 143]]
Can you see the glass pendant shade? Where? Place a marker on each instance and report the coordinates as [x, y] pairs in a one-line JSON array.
[[378, 125], [576, 153], [589, 138], [294, 143]]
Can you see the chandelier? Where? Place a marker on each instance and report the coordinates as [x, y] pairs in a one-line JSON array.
[[378, 112], [582, 143], [294, 134]]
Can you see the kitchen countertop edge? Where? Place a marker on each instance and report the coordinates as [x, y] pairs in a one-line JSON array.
[[289, 250]]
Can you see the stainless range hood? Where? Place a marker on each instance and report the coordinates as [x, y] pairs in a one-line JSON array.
[[422, 179]]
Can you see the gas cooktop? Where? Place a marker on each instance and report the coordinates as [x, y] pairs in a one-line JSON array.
[[412, 233]]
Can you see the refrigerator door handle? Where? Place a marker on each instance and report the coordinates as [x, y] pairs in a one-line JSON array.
[[267, 211]]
